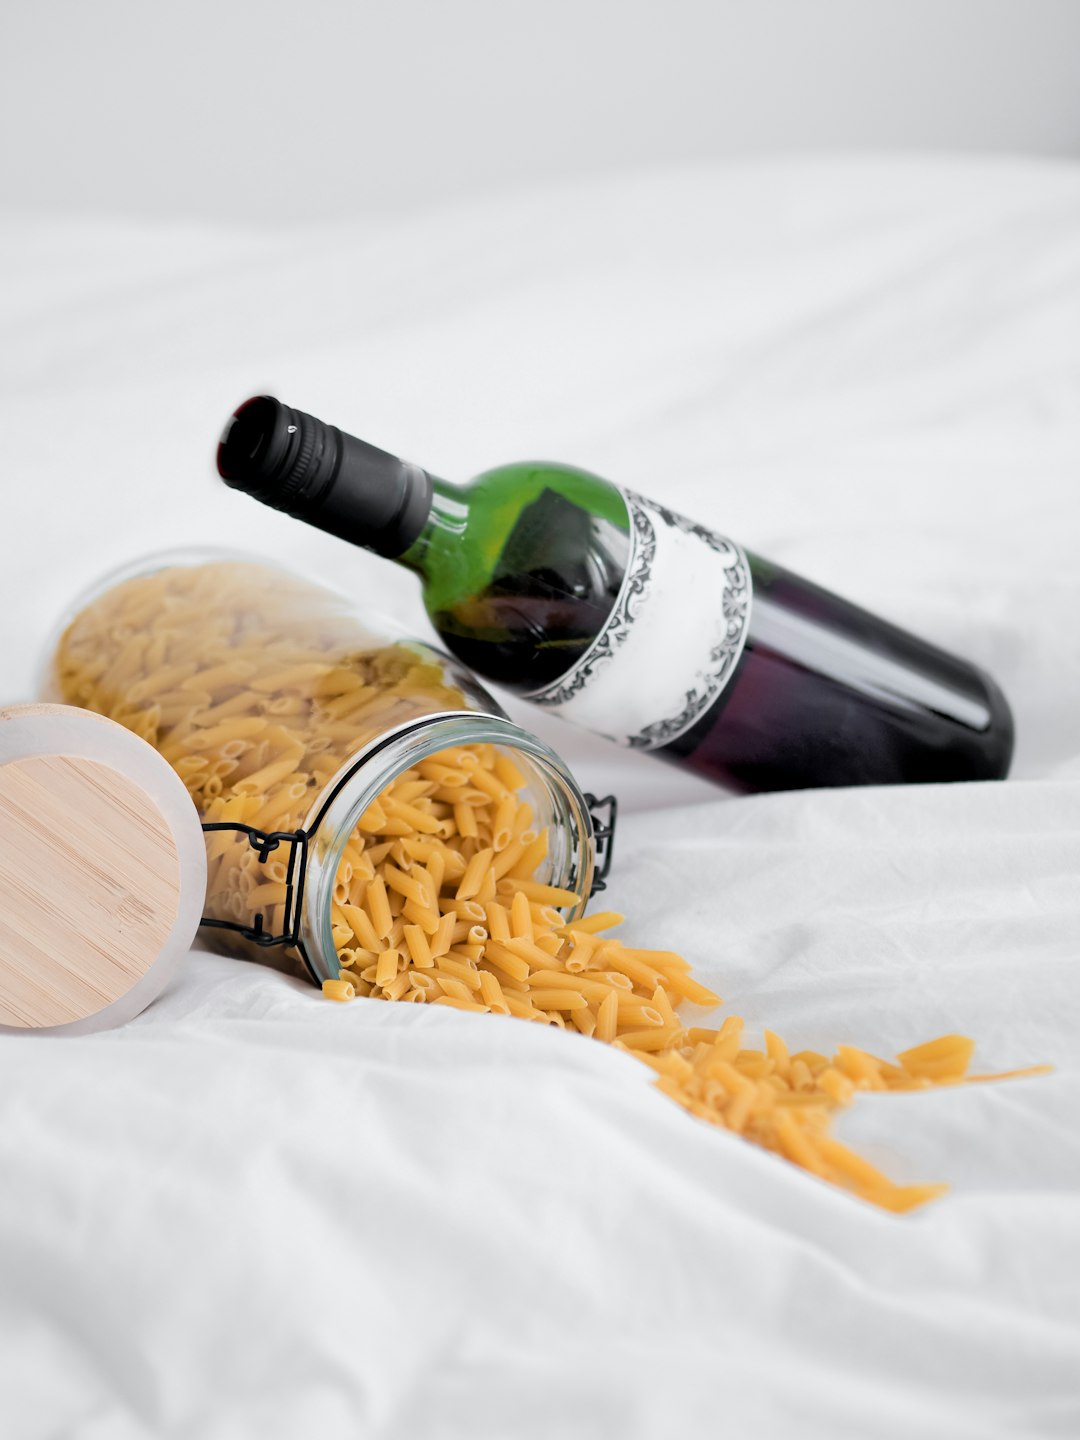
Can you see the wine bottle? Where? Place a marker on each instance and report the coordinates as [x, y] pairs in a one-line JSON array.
[[627, 618]]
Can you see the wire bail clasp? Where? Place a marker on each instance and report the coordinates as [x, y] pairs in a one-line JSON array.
[[604, 836], [264, 843]]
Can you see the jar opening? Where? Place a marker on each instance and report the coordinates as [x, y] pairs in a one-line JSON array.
[[557, 803]]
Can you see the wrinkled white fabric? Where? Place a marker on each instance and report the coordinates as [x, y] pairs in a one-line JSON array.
[[252, 1212]]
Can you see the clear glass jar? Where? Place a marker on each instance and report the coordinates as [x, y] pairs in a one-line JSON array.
[[287, 711]]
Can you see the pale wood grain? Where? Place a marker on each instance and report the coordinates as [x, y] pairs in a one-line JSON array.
[[89, 888]]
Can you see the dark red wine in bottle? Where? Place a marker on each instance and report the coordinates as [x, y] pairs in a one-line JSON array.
[[625, 617]]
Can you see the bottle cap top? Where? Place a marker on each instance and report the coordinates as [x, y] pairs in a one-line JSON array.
[[297, 463], [102, 871]]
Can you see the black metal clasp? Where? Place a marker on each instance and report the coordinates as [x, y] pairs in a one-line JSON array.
[[604, 833], [264, 843]]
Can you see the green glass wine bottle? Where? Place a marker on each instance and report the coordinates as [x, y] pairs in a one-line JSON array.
[[631, 620]]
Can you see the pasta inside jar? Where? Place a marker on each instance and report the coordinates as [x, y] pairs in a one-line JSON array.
[[283, 710]]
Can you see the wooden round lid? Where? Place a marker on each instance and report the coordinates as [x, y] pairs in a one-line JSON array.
[[102, 870]]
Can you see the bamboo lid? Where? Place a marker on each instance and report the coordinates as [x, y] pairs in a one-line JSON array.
[[102, 871]]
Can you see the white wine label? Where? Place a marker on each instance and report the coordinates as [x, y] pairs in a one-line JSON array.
[[672, 640]]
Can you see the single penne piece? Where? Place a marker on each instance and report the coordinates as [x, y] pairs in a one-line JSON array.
[[521, 1007], [522, 827], [242, 727], [530, 951], [662, 1004], [406, 791], [531, 858], [440, 940], [777, 1052], [477, 868], [849, 1165], [727, 1039], [373, 818], [470, 910], [690, 989], [563, 999], [607, 1018], [498, 921], [271, 774], [615, 978], [582, 945], [602, 920], [521, 925], [397, 932], [358, 920], [441, 774], [433, 875], [465, 820], [666, 961], [242, 704], [456, 1004], [635, 1013], [416, 942], [546, 894], [800, 1077], [615, 956], [492, 992], [506, 857], [507, 771], [378, 907], [595, 991], [504, 959], [227, 674], [301, 676], [490, 784], [460, 758], [270, 893], [426, 918], [858, 1066], [386, 968], [902, 1198], [414, 817], [465, 951], [398, 987], [405, 885], [546, 916], [282, 803], [395, 901], [338, 989], [502, 822], [948, 1055], [658, 1039]]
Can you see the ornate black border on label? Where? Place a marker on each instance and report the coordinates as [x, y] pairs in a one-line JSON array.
[[634, 586], [722, 657]]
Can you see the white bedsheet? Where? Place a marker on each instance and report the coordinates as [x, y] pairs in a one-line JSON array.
[[251, 1212]]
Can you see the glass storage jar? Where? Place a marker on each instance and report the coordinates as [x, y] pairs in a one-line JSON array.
[[287, 712]]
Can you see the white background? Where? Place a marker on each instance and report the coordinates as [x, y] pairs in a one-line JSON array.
[[287, 113], [474, 233]]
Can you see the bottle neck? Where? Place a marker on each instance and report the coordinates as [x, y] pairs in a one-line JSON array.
[[432, 554]]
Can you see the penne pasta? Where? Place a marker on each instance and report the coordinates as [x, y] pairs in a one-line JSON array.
[[258, 690]]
